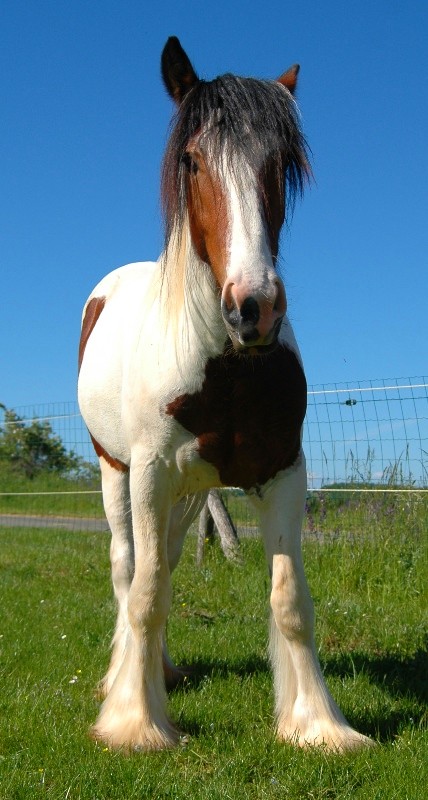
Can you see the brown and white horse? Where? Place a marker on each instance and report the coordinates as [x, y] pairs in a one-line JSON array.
[[190, 378]]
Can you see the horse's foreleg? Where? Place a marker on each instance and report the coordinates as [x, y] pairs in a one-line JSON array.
[[306, 712], [117, 506], [134, 712]]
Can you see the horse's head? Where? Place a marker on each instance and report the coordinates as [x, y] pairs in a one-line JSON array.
[[235, 158]]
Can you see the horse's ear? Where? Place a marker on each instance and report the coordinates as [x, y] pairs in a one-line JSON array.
[[289, 78], [177, 72]]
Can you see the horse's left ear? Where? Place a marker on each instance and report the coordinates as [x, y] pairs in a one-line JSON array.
[[177, 71], [289, 78]]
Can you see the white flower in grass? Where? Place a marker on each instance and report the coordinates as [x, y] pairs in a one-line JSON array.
[[75, 678]]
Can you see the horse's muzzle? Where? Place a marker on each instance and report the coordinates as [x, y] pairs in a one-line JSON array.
[[253, 320]]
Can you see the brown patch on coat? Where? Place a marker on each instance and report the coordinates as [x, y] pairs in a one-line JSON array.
[[208, 213], [248, 415], [101, 453], [92, 313]]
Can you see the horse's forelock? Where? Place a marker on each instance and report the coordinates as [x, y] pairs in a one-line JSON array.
[[255, 119]]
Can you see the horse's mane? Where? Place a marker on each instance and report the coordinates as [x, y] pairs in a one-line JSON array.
[[239, 115]]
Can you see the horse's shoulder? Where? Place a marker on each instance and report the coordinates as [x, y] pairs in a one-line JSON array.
[[117, 292], [129, 277]]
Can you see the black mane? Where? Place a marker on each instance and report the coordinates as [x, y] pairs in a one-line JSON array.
[[254, 117]]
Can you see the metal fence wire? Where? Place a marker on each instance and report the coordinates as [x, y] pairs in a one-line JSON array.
[[370, 432]]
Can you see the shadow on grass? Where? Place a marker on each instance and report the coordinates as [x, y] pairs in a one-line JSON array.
[[403, 680], [400, 677], [200, 669]]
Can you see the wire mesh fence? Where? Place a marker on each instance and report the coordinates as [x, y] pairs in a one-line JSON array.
[[365, 436], [370, 432]]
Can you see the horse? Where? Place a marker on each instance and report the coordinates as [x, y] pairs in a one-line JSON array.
[[190, 378]]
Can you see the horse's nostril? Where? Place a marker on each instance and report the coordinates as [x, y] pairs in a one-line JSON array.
[[250, 311], [230, 314], [280, 304]]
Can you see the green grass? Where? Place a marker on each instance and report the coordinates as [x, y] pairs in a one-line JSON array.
[[28, 496], [57, 616]]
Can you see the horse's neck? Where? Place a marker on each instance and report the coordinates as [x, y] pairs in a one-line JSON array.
[[190, 305]]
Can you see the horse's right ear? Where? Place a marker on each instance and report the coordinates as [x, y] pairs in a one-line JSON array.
[[289, 78], [177, 72]]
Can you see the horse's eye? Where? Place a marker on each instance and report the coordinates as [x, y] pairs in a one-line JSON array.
[[190, 163]]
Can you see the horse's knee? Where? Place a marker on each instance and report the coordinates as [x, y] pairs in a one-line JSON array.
[[292, 608], [122, 567], [148, 606]]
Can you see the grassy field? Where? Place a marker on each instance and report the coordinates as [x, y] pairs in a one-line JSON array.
[[21, 495], [368, 579]]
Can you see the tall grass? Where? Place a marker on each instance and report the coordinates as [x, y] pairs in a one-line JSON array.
[[368, 578]]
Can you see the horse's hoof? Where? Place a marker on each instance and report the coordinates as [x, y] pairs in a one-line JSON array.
[[334, 739], [135, 738]]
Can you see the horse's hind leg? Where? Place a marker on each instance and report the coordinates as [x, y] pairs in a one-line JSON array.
[[306, 712], [117, 506], [182, 516]]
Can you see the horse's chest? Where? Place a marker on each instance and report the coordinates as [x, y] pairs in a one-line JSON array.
[[247, 416]]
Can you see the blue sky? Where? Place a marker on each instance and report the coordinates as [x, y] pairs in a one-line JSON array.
[[84, 120]]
